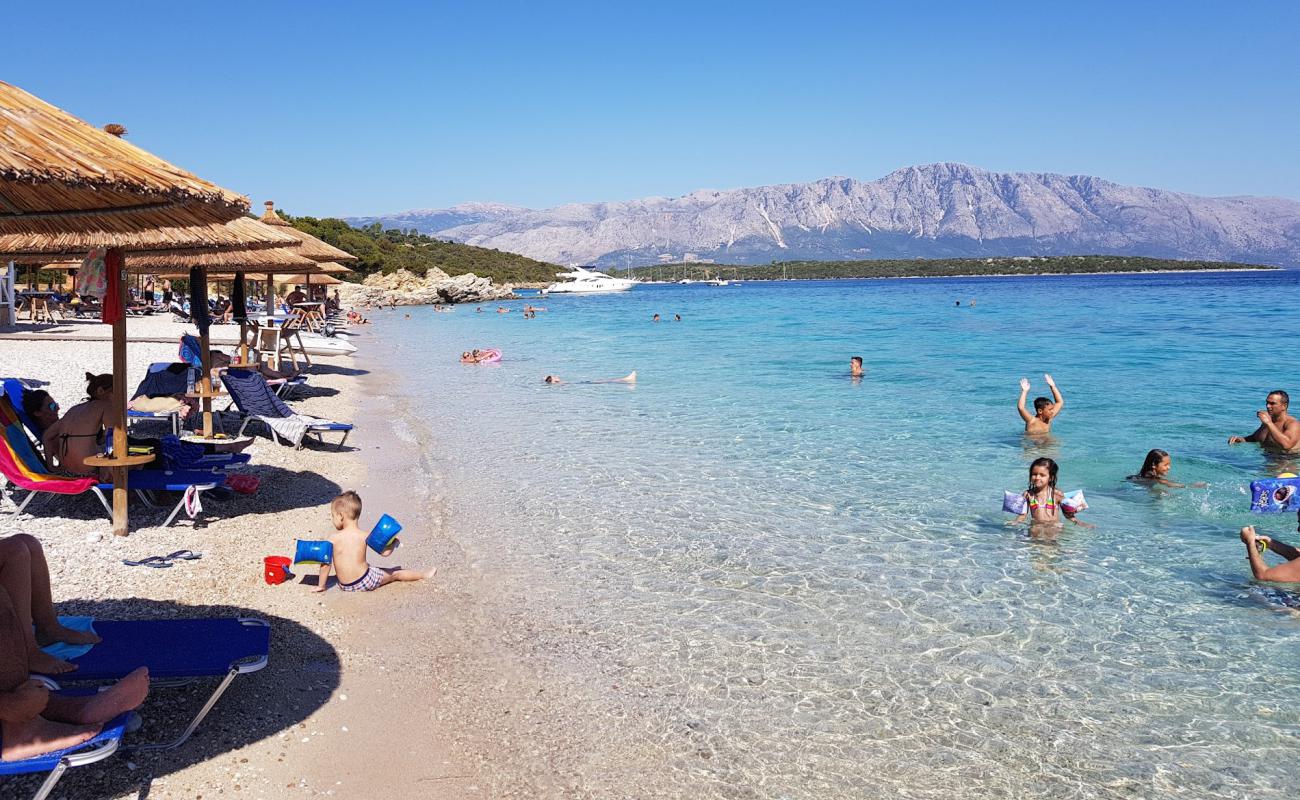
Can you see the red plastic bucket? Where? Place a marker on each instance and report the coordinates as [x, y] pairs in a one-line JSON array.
[[277, 569]]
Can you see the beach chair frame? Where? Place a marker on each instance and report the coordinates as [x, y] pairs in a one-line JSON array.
[[316, 433], [96, 750], [243, 665]]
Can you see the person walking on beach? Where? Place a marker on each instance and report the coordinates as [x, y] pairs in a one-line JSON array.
[[1283, 573], [1277, 430], [1040, 422]]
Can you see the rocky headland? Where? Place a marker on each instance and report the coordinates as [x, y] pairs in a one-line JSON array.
[[404, 288]]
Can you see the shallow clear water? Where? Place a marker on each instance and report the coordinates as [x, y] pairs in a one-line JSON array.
[[810, 576]]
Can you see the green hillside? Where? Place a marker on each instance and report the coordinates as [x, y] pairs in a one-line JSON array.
[[379, 250], [945, 267]]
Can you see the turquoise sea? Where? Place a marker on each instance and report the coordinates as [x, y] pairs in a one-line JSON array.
[[813, 574]]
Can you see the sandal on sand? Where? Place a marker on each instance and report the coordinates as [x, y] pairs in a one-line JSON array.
[[157, 562], [186, 555]]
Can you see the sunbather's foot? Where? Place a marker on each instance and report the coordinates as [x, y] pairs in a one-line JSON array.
[[96, 709], [43, 663], [66, 635], [39, 736], [431, 573]]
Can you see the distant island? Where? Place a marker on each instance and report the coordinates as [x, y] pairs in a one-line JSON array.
[[933, 268]]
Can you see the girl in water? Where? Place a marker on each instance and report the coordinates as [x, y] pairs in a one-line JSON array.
[[1155, 471], [1043, 499]]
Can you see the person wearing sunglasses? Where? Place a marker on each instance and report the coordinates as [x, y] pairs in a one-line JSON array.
[[1257, 545], [70, 439]]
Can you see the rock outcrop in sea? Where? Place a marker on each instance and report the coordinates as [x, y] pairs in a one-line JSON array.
[[931, 211], [404, 288]]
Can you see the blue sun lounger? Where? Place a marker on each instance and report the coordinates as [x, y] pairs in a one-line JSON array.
[[255, 400], [177, 652], [141, 481], [58, 762]]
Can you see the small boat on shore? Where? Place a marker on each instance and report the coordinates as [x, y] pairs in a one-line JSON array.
[[314, 344]]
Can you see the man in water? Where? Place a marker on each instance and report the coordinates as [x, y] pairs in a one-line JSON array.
[[855, 366], [1277, 430], [1040, 422], [629, 378], [1284, 573]]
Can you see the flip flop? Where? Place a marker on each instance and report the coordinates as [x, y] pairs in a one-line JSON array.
[[156, 562], [185, 555]]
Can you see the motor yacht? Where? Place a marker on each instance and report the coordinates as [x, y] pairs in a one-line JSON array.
[[588, 281]]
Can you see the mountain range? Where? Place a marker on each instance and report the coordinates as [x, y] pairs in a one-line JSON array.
[[932, 211]]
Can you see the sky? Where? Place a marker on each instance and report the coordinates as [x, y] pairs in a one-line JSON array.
[[335, 109]]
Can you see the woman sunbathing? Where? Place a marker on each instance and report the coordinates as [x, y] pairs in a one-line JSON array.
[[76, 435]]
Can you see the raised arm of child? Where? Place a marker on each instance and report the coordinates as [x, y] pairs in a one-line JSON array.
[[1020, 404], [1058, 399]]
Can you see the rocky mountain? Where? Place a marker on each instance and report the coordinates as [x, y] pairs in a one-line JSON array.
[[932, 211]]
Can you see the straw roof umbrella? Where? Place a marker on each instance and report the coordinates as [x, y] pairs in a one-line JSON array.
[[65, 183], [201, 267], [319, 279], [312, 248], [61, 176]]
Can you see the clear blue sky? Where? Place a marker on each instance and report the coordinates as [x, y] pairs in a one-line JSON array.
[[333, 108]]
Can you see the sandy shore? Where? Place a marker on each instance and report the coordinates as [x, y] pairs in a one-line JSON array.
[[290, 724], [451, 688]]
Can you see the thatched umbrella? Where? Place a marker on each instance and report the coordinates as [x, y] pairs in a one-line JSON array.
[[202, 267], [65, 184], [312, 248]]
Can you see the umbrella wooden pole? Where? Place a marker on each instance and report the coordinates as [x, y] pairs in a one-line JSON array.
[[120, 520], [205, 384]]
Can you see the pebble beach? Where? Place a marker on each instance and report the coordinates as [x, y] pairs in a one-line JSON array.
[[353, 679]]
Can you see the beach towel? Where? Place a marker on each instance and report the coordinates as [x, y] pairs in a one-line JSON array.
[[66, 651], [20, 464], [92, 277]]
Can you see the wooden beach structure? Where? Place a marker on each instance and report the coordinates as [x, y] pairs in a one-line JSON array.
[[67, 187]]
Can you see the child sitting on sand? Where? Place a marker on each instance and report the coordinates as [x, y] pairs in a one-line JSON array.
[[354, 573]]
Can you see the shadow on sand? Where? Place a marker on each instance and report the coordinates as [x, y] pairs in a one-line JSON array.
[[301, 677], [281, 490]]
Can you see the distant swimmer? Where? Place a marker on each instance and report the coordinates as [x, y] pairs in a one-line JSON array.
[[677, 317], [628, 378], [655, 318], [971, 303], [1155, 471], [855, 366], [478, 310], [1045, 410], [1277, 430], [1257, 545], [502, 310]]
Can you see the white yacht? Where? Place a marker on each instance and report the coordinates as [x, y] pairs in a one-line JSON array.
[[587, 281]]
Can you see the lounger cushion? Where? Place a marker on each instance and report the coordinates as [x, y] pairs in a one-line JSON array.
[[170, 648]]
